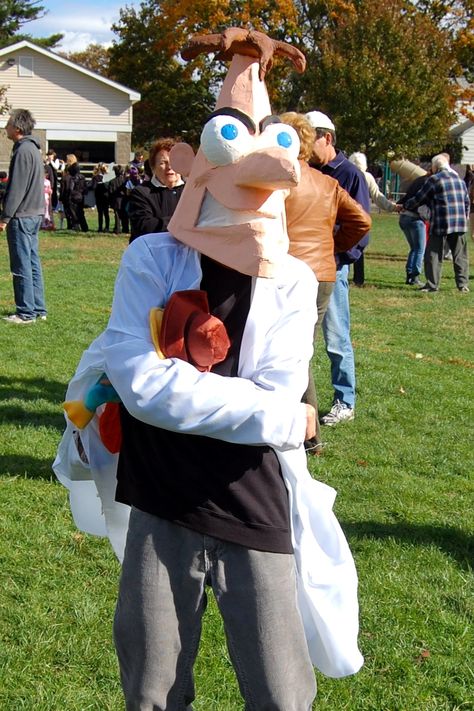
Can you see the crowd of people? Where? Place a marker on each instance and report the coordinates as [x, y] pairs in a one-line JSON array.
[[140, 196]]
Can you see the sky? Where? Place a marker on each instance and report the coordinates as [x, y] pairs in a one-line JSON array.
[[81, 23]]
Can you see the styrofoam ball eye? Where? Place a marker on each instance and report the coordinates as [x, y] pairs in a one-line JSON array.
[[282, 135], [224, 139]]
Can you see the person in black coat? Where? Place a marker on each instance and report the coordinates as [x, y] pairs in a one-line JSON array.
[[116, 199], [73, 190], [101, 194], [151, 205]]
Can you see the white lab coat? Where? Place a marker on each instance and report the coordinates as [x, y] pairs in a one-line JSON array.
[[260, 406]]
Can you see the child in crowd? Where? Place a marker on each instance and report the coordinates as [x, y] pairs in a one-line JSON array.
[[47, 222]]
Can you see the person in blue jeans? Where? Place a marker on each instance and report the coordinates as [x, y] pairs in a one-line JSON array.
[[337, 323], [336, 328], [413, 227], [23, 209]]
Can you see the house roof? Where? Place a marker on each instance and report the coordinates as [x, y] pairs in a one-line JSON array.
[[464, 125], [24, 44]]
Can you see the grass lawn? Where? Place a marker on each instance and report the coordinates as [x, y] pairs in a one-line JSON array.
[[403, 470]]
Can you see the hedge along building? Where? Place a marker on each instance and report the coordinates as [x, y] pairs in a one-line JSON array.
[[76, 110]]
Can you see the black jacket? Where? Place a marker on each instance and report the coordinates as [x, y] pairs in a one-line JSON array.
[[116, 192], [73, 186], [151, 207], [101, 189]]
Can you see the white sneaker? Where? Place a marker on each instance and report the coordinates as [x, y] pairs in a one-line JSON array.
[[14, 318], [339, 412]]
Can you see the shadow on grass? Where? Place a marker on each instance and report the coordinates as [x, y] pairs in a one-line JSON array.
[[380, 284], [15, 391], [452, 541], [385, 257], [16, 415], [24, 466], [32, 389]]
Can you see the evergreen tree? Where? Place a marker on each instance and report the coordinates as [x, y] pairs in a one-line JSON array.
[[16, 13]]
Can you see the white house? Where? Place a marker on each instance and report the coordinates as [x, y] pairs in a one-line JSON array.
[[76, 110], [464, 130]]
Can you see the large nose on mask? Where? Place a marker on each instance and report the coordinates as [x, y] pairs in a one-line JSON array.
[[269, 169]]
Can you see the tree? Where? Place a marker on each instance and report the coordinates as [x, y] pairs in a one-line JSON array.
[[146, 57], [382, 70], [16, 13], [456, 18], [178, 21], [173, 102], [95, 57]]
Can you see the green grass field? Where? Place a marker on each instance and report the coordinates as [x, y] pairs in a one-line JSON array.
[[403, 470]]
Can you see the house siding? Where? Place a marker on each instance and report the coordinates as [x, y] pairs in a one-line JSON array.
[[467, 139], [62, 94], [68, 104]]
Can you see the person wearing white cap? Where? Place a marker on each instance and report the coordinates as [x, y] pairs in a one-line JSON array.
[[336, 323]]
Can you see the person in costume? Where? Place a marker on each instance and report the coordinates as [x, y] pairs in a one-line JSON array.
[[210, 484]]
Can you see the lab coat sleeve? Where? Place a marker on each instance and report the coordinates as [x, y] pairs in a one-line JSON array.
[[172, 394], [288, 341]]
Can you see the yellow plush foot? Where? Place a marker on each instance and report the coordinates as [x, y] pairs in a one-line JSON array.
[[78, 413], [156, 317]]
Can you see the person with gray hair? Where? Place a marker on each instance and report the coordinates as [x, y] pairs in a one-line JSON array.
[[440, 162], [446, 196], [377, 197], [23, 209]]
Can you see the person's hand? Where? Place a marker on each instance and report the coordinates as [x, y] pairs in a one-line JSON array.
[[3, 226], [399, 208], [310, 422]]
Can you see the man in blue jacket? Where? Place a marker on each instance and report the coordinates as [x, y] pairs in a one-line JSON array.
[[23, 209], [336, 323]]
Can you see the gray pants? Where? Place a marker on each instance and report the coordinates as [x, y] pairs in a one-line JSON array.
[[434, 254], [160, 606]]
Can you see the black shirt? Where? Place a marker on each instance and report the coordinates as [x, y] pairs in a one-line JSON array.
[[230, 491]]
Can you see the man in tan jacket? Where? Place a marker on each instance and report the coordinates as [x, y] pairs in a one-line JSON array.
[[322, 219]]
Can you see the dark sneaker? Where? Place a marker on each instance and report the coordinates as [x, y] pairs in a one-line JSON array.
[[426, 287], [312, 446], [464, 289]]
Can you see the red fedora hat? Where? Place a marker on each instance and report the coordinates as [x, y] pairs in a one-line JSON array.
[[185, 329]]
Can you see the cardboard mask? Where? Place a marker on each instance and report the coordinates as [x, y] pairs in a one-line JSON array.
[[232, 207]]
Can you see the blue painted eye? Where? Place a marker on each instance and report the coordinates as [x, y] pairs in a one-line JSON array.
[[284, 139], [280, 135], [229, 131]]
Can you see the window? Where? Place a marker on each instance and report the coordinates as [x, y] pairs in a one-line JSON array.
[[25, 66]]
